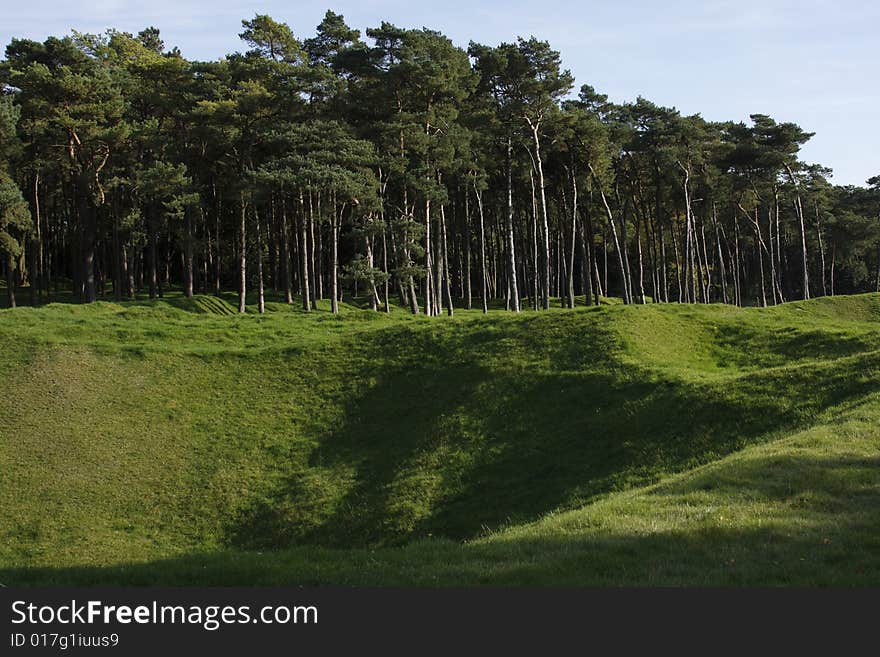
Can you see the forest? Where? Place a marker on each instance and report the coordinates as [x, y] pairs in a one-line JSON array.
[[403, 170]]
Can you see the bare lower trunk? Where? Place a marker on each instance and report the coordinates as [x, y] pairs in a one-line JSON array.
[[187, 253], [761, 248], [484, 280], [334, 265], [467, 242], [724, 296], [285, 255], [511, 252], [574, 215], [38, 238], [448, 285], [10, 280], [799, 209], [822, 251], [154, 256], [304, 257], [833, 258], [545, 229], [242, 255], [429, 270], [626, 293], [386, 303], [261, 302]]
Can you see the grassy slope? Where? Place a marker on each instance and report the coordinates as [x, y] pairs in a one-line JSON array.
[[659, 444]]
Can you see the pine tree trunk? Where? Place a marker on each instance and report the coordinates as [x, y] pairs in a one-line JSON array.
[[217, 259], [484, 279], [429, 270], [42, 288], [514, 292], [87, 247], [154, 254], [724, 296], [468, 255], [242, 255], [448, 286], [833, 258], [574, 215], [285, 255], [536, 267], [10, 281], [799, 209], [545, 230], [188, 253], [261, 301], [334, 265], [304, 257], [626, 294], [821, 250], [664, 282], [775, 282]]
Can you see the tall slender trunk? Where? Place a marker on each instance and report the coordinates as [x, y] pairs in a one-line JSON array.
[[187, 253], [242, 254], [334, 265], [589, 256], [38, 239], [736, 279], [87, 247], [514, 292], [775, 272], [429, 270], [724, 296], [545, 228], [536, 267], [467, 242], [261, 302], [707, 289], [664, 284], [285, 254], [10, 280], [626, 292], [154, 253], [318, 253], [448, 286], [761, 247], [117, 259], [690, 274], [217, 254], [678, 267], [386, 303], [822, 250], [799, 208], [304, 259], [833, 258], [484, 279], [574, 216], [128, 272]]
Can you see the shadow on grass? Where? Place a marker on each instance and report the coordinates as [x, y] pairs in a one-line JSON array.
[[746, 346], [464, 432], [805, 540]]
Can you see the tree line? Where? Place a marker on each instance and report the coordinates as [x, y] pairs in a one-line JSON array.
[[402, 169]]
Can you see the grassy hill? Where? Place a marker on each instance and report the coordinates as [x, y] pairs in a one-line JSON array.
[[177, 442]]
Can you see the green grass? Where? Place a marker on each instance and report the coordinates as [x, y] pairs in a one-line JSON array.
[[176, 442]]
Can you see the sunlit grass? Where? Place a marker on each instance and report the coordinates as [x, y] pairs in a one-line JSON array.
[[620, 444]]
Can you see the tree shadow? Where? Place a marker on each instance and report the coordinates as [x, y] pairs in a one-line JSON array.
[[804, 541], [461, 432]]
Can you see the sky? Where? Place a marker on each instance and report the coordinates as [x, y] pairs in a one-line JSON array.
[[813, 62]]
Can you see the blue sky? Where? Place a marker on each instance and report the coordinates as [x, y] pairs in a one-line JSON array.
[[813, 62]]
